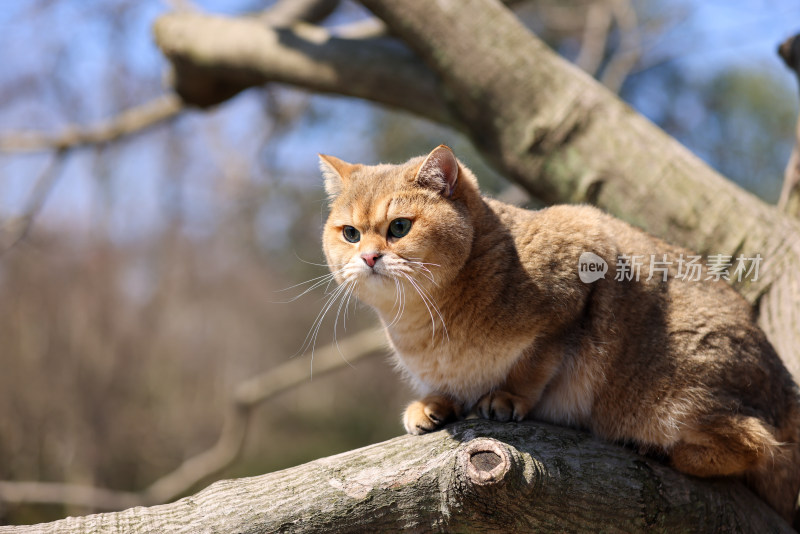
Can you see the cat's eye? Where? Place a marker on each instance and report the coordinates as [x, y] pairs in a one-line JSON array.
[[351, 234], [399, 227]]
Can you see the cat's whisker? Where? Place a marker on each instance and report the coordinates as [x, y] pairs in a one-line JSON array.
[[347, 304], [319, 264], [311, 335], [426, 300], [427, 294], [349, 285], [316, 282], [403, 300], [344, 275], [419, 260], [396, 304], [331, 302], [425, 263], [429, 274], [311, 338], [423, 266]]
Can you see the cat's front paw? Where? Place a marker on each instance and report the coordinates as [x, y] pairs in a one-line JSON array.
[[502, 406], [429, 414]]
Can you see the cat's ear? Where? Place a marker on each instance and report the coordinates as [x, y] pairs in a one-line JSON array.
[[439, 171], [335, 172]]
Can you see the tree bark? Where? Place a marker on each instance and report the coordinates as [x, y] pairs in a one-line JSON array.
[[789, 201], [541, 121], [214, 58], [474, 476]]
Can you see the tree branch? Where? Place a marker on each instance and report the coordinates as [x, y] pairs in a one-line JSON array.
[[789, 201], [16, 229], [472, 476], [595, 37], [131, 121], [286, 12], [247, 396], [623, 61], [215, 58]]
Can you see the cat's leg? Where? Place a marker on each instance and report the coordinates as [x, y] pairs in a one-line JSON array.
[[523, 388], [430, 413]]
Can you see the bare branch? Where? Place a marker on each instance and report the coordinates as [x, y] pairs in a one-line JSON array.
[[789, 201], [130, 121], [15, 230], [247, 396], [250, 394], [595, 37], [630, 48]]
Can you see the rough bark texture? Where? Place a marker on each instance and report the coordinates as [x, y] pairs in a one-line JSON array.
[[214, 58], [789, 201], [475, 476], [543, 122]]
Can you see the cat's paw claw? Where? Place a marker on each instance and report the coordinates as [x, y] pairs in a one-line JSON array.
[[502, 406], [434, 417], [428, 414]]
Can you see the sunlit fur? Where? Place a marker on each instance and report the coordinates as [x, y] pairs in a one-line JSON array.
[[485, 311]]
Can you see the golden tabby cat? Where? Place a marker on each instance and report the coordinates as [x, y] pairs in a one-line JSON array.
[[484, 308]]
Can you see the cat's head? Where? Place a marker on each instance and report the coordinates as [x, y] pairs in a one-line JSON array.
[[391, 224]]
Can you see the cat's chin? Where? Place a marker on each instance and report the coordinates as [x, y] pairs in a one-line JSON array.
[[377, 290], [375, 281]]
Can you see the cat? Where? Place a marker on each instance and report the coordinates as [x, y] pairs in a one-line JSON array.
[[485, 311]]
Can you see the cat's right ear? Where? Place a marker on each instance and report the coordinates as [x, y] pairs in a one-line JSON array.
[[335, 172], [439, 171]]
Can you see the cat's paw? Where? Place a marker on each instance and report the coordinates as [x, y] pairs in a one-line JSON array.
[[428, 414], [502, 406]]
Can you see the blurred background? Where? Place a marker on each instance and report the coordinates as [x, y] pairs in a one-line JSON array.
[[140, 280]]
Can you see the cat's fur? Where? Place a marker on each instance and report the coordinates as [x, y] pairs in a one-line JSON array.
[[485, 311]]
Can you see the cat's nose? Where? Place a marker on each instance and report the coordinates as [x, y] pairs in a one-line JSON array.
[[370, 258]]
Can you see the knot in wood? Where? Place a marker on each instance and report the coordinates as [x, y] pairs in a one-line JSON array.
[[485, 461]]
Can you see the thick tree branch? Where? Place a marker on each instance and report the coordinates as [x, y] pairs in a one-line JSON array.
[[474, 476], [247, 396], [131, 121], [286, 12], [790, 193], [215, 58]]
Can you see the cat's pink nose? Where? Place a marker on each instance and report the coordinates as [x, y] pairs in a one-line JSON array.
[[370, 258]]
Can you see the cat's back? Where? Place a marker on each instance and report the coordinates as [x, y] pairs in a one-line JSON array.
[[550, 241]]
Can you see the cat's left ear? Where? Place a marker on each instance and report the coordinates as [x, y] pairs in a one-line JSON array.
[[439, 171], [335, 172]]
